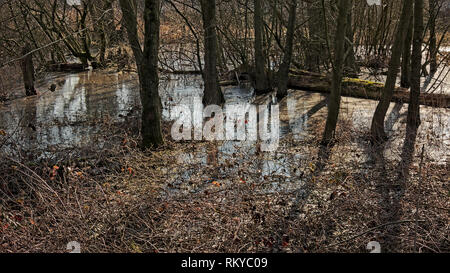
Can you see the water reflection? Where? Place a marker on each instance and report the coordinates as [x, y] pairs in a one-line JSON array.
[[70, 117]]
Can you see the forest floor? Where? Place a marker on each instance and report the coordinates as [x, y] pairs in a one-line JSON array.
[[120, 199], [185, 197]]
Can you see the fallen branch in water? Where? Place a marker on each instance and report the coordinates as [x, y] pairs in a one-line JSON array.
[[352, 87], [66, 67]]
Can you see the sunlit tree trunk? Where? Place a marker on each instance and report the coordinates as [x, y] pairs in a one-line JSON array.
[[212, 94], [377, 128], [261, 83], [147, 65], [338, 63], [413, 119], [283, 73]]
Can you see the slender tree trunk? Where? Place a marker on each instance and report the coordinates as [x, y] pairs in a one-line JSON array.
[[213, 93], [104, 34], [433, 40], [413, 120], [110, 24], [103, 45], [316, 36], [99, 28], [350, 61], [261, 83], [147, 65], [28, 71], [377, 128], [406, 57], [336, 85], [283, 73]]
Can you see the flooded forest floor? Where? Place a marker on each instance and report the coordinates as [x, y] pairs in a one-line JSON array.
[[71, 170]]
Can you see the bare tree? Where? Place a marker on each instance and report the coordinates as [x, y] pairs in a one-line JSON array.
[[339, 59], [147, 66], [317, 35], [433, 10], [413, 119], [283, 73], [406, 57], [350, 61], [377, 128], [261, 85], [213, 93]]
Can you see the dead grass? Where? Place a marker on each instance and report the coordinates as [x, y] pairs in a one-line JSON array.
[[126, 200]]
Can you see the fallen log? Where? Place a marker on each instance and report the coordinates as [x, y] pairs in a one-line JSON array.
[[180, 72], [353, 87], [228, 83], [363, 89], [66, 67]]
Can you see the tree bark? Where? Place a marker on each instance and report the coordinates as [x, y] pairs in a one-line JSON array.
[[261, 83], [377, 128], [212, 93], [316, 36], [28, 71], [283, 73], [147, 65], [336, 85], [350, 61], [433, 40], [406, 57], [413, 119]]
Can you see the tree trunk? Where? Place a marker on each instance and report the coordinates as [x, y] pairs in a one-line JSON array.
[[99, 28], [362, 89], [316, 36], [377, 128], [147, 65], [406, 57], [112, 38], [212, 93], [433, 40], [283, 73], [336, 84], [261, 83], [350, 61], [28, 71], [413, 119]]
